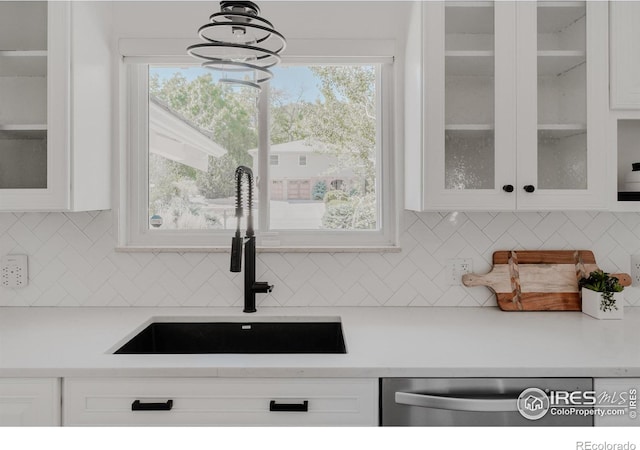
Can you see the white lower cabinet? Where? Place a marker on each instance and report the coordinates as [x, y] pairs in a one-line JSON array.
[[29, 402], [220, 401], [618, 398]]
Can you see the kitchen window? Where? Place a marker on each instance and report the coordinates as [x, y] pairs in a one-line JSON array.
[[187, 134]]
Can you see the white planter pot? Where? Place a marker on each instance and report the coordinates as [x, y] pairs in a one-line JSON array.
[[591, 301]]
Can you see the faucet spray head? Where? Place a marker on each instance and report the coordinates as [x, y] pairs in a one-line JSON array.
[[236, 253], [237, 242]]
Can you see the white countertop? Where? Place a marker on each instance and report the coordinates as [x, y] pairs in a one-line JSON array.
[[381, 342]]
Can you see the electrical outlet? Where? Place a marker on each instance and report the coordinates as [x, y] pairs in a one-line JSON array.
[[635, 270], [456, 268], [15, 272]]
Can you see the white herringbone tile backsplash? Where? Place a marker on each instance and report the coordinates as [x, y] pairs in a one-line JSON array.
[[72, 262]]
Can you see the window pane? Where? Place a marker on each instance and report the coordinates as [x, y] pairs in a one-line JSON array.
[[324, 123], [199, 132]]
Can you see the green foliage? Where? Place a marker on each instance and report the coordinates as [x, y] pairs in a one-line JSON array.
[[354, 213], [336, 195], [319, 189], [218, 180], [165, 176], [600, 281], [287, 117]]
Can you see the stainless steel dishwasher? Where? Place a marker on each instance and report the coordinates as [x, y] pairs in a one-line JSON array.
[[485, 402]]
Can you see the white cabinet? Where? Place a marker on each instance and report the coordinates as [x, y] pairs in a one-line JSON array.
[[625, 98], [55, 114], [220, 401], [625, 56], [618, 398], [497, 115], [29, 402]]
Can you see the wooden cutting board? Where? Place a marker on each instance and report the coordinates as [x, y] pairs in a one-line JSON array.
[[532, 280]]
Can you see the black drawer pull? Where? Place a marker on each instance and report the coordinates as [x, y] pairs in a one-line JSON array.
[[139, 406], [291, 407]]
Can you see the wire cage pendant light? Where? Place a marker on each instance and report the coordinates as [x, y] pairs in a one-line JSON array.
[[240, 44]]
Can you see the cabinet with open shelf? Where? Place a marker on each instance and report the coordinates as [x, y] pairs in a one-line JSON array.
[[55, 114], [503, 105]]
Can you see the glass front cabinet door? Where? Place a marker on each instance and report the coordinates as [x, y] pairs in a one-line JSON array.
[[504, 121], [55, 105]]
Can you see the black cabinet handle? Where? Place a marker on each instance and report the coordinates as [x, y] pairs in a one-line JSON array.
[[139, 406], [507, 188], [291, 407], [529, 188]]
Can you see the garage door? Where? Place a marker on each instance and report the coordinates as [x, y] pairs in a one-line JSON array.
[[299, 190]]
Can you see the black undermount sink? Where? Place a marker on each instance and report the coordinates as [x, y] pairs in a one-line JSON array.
[[237, 337]]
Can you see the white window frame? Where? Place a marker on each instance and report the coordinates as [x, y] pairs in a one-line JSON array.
[[134, 232], [274, 160], [302, 158]]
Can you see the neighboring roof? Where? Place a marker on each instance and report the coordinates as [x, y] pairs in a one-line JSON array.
[[176, 138], [300, 146]]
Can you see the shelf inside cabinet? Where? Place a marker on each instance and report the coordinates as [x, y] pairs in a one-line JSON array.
[[21, 127], [469, 127], [559, 62], [23, 63], [561, 131], [581, 127], [19, 132], [469, 63]]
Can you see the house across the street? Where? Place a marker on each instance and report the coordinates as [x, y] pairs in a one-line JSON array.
[[296, 167]]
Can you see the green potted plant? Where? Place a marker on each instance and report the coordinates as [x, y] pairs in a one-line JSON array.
[[602, 296]]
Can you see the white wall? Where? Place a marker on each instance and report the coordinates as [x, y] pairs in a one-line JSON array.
[[73, 262], [294, 19]]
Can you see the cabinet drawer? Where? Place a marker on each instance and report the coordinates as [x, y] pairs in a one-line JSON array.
[[220, 401]]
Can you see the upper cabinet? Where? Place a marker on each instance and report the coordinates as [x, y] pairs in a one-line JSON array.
[[625, 58], [625, 101], [56, 113], [497, 115]]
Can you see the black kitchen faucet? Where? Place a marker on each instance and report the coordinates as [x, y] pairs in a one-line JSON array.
[[251, 286]]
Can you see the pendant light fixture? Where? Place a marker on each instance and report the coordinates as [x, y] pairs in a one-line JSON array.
[[240, 44]]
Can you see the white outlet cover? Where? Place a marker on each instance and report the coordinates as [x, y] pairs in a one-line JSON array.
[[635, 270], [456, 268], [14, 272]]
